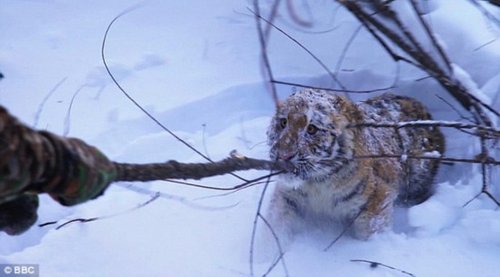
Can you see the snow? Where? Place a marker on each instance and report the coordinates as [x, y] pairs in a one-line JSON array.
[[195, 66], [433, 154]]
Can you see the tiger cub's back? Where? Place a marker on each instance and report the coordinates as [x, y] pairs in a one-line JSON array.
[[414, 176]]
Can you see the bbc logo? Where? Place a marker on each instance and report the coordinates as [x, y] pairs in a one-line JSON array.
[[19, 270]]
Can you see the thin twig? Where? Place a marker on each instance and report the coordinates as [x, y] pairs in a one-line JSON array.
[[44, 101], [324, 31], [180, 199], [81, 220], [454, 108], [272, 16], [204, 139], [485, 44], [490, 196], [344, 230], [241, 186], [431, 35], [263, 52], [67, 118], [295, 17], [47, 223], [375, 264], [254, 229], [318, 60], [281, 256], [233, 191], [472, 199], [103, 57], [483, 158], [139, 106], [386, 47], [343, 53], [85, 220]]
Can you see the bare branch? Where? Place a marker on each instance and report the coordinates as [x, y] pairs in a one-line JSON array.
[[490, 161], [483, 130], [430, 34], [176, 170], [408, 43]]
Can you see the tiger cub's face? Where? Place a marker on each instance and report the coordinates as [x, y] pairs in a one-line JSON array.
[[309, 130]]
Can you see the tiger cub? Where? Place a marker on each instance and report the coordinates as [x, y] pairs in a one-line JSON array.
[[331, 180]]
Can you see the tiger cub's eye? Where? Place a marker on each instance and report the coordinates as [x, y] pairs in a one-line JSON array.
[[283, 122], [311, 129]]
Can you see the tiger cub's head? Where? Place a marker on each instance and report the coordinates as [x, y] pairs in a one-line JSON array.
[[309, 130]]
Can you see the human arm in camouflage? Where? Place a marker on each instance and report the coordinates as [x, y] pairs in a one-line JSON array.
[[33, 162]]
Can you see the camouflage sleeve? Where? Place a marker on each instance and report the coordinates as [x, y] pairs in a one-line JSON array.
[[77, 172], [34, 162]]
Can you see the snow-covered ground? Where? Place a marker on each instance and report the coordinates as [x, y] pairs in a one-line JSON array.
[[195, 66]]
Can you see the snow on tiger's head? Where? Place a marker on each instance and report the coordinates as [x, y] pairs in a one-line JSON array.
[[309, 130]]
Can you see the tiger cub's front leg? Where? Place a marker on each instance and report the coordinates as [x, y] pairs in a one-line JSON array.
[[375, 215], [283, 221], [286, 213]]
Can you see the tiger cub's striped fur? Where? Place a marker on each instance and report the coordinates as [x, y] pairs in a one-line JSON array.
[[312, 129]]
